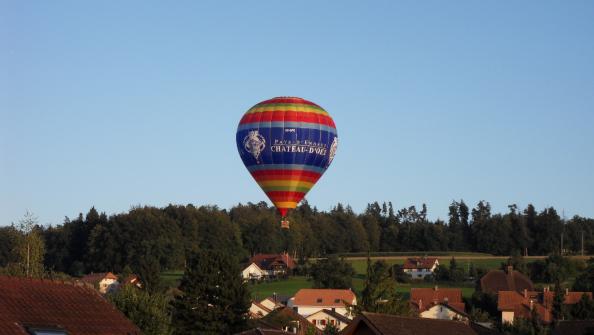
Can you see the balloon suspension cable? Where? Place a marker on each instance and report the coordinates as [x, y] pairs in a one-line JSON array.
[[284, 222]]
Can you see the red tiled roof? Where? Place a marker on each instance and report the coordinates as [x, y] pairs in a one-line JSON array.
[[323, 297], [285, 313], [333, 314], [384, 324], [425, 298], [264, 261], [508, 280], [570, 297], [74, 307], [262, 331], [522, 304], [97, 277], [419, 263]]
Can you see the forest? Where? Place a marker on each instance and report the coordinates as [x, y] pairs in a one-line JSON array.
[[149, 239]]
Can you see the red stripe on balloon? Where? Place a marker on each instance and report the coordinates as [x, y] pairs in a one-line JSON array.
[[288, 100], [285, 196], [278, 116], [267, 173]]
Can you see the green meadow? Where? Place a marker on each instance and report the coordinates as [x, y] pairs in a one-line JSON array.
[[288, 287]]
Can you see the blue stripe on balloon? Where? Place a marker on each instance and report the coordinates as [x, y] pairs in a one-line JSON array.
[[285, 167], [271, 135], [259, 125]]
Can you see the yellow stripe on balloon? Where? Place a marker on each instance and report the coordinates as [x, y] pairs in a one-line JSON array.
[[285, 204], [287, 108], [285, 183]]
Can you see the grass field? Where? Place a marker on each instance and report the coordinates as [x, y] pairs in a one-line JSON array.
[[289, 286], [360, 264]]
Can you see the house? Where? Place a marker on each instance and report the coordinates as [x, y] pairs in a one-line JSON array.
[[420, 267], [257, 310], [384, 324], [326, 317], [274, 264], [438, 303], [505, 280], [513, 304], [105, 282], [253, 272], [275, 301], [35, 306], [286, 319], [309, 301]]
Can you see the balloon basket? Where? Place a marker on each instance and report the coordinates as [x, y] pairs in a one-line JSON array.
[[285, 224]]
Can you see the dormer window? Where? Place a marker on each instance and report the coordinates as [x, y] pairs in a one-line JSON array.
[[336, 301], [46, 331], [319, 300]]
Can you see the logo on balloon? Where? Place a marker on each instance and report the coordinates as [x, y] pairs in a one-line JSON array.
[[254, 143], [333, 148]]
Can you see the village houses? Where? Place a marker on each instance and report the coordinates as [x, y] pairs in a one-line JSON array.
[[438, 303], [513, 304], [261, 266], [420, 267], [309, 301]]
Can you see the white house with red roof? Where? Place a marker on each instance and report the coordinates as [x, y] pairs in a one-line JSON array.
[[273, 264], [420, 267], [253, 272], [438, 303], [309, 301]]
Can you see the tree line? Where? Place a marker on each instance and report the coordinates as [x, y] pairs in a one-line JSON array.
[[151, 239]]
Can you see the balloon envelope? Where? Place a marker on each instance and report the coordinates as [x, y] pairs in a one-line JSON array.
[[286, 144]]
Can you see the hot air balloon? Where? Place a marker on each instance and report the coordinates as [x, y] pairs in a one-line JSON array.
[[286, 143]]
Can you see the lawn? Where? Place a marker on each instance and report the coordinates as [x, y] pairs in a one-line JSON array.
[[286, 287], [360, 264]]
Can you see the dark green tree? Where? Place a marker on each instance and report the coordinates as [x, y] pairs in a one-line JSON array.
[[214, 298], [332, 272], [331, 329], [150, 312], [379, 294], [585, 281], [583, 310], [558, 310]]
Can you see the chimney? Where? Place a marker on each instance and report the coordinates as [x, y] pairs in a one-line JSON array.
[[435, 288], [526, 294], [531, 304], [510, 269], [566, 291], [546, 288], [420, 304]]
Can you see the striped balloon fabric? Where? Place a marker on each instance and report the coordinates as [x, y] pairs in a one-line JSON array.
[[286, 143]]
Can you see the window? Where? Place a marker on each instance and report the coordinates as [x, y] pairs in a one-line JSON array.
[[336, 300], [319, 300], [323, 322], [46, 331]]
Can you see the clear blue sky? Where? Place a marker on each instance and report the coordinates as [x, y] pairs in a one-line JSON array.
[[137, 103]]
